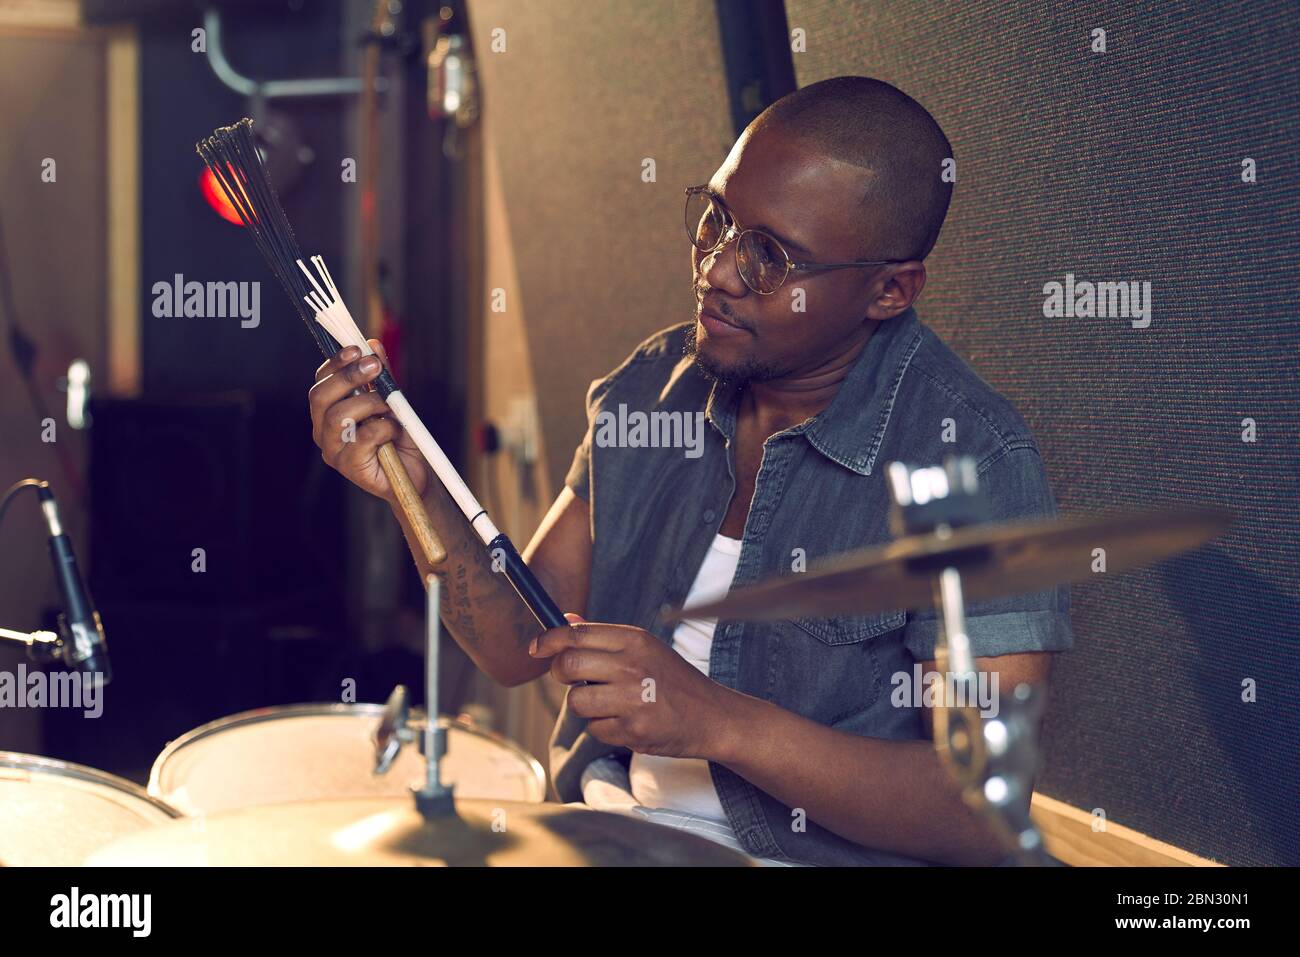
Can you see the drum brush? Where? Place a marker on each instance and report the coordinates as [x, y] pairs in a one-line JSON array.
[[333, 315], [231, 153]]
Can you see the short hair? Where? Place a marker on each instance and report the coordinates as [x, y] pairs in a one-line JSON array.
[[866, 122]]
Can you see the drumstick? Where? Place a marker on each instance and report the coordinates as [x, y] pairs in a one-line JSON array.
[[334, 316], [232, 155]]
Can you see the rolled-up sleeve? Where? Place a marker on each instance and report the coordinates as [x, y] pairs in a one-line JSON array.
[[578, 477], [1018, 489]]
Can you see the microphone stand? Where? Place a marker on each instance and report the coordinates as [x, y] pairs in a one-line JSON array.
[[79, 643], [43, 647]]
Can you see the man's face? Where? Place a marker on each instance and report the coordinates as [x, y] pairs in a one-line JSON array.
[[810, 204]]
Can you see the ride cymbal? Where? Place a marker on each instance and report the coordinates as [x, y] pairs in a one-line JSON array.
[[1008, 558], [388, 831]]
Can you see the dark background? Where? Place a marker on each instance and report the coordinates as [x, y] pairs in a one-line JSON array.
[[217, 452]]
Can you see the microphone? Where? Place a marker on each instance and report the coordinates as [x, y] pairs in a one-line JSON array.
[[88, 651]]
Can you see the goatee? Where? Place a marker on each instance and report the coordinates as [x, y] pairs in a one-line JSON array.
[[750, 370]]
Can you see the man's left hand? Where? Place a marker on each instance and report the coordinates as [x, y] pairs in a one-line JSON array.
[[643, 695]]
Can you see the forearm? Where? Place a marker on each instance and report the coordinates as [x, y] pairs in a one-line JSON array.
[[480, 608], [889, 795]]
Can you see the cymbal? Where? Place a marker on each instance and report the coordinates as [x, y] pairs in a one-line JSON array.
[[1009, 558], [388, 831]]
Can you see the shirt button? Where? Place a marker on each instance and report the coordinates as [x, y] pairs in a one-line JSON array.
[[709, 515]]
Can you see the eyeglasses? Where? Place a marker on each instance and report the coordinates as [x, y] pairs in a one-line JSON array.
[[761, 260]]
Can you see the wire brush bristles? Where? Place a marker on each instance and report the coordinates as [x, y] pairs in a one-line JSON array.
[[330, 310], [232, 154]]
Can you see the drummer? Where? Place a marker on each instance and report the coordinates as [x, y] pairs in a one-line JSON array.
[[799, 741]]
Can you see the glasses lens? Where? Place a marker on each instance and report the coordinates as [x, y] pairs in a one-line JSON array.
[[761, 261], [704, 221]]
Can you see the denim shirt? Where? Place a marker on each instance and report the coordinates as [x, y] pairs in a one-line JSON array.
[[820, 490]]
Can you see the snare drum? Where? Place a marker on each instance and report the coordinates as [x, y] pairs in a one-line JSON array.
[[313, 751], [56, 814]]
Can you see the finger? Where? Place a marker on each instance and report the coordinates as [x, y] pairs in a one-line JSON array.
[[355, 408], [402, 439], [585, 664], [337, 361], [348, 378], [601, 701], [599, 636], [379, 350], [609, 730], [371, 434]]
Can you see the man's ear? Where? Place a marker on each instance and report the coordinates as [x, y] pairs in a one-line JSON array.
[[902, 287]]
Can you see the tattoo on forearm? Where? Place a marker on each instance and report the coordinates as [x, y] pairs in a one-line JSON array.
[[472, 593], [457, 607]]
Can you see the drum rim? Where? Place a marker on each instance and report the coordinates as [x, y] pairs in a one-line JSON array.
[[323, 709], [84, 772]]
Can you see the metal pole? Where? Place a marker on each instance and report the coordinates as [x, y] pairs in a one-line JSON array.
[[273, 89], [434, 799]]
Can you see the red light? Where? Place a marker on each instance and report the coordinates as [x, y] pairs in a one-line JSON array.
[[216, 198]]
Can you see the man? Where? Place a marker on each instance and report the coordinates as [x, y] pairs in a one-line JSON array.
[[811, 370]]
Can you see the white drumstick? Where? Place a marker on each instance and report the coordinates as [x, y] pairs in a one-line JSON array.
[[333, 315]]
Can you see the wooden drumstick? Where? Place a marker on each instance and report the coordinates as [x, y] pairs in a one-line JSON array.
[[411, 505]]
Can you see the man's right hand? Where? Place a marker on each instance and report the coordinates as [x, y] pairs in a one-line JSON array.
[[349, 429]]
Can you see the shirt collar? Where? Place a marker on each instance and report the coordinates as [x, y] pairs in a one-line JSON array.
[[850, 430]]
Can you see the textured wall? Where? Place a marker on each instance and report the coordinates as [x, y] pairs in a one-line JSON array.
[[580, 96], [1126, 165]]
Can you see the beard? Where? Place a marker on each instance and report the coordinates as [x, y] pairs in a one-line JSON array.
[[739, 373]]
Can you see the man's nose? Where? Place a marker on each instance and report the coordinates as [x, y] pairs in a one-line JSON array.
[[718, 267]]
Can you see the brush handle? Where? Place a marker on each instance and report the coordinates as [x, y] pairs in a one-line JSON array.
[[525, 583], [411, 505]]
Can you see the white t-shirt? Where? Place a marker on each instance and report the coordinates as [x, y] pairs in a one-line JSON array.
[[684, 784]]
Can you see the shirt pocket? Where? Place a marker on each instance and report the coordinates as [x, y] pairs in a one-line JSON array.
[[851, 629], [829, 669]]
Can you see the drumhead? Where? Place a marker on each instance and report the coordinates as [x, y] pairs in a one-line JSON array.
[[316, 751], [55, 813]]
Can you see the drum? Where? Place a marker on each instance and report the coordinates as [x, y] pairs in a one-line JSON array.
[[55, 814], [313, 751]]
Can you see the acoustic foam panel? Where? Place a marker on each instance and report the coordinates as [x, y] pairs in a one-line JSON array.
[[1127, 165]]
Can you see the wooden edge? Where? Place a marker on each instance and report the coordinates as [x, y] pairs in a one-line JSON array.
[[122, 101], [49, 17], [1070, 837]]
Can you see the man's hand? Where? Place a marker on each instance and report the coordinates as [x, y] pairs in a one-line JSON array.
[[644, 695], [349, 429]]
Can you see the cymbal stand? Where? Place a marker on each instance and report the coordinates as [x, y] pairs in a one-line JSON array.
[[435, 799], [396, 728], [992, 760]]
